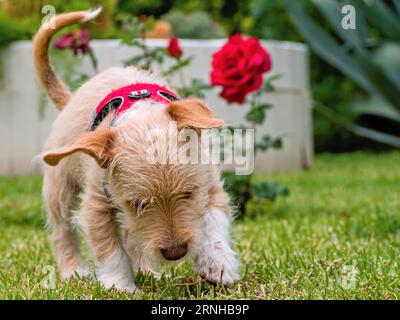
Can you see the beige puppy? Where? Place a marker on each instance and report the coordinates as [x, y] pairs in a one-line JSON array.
[[134, 213]]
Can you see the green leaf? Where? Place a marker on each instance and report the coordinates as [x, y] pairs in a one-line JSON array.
[[397, 6], [134, 60], [274, 77], [379, 14], [268, 85], [257, 113], [179, 65], [277, 143], [139, 43], [358, 130], [388, 55], [157, 55], [377, 136], [382, 79], [376, 106]]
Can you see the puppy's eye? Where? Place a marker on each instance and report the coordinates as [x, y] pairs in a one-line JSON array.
[[187, 195], [139, 204]]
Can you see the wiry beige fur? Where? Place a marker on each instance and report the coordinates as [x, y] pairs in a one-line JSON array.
[[157, 206]]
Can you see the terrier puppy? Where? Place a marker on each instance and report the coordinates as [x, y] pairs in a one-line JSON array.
[[134, 213]]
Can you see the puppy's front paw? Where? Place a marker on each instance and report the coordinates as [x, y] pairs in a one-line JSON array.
[[219, 268], [80, 272], [118, 282], [156, 275]]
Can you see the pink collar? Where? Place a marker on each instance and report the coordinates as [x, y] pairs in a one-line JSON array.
[[123, 99]]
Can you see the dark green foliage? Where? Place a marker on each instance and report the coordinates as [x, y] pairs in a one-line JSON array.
[[267, 142], [11, 30], [269, 190], [238, 188], [244, 191], [358, 54]]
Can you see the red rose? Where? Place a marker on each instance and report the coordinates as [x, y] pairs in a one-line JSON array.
[[174, 49], [77, 41], [238, 67]]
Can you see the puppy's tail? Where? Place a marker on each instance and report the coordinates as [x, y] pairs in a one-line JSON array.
[[54, 87]]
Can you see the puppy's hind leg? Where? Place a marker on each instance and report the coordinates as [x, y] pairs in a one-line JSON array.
[[60, 195]]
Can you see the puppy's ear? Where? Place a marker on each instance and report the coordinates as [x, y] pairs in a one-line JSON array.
[[193, 113], [98, 144]]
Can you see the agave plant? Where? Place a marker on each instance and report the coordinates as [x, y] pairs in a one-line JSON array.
[[368, 54]]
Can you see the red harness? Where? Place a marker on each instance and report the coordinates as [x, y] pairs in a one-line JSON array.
[[123, 99]]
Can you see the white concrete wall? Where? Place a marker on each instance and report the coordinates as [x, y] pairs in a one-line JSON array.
[[23, 131]]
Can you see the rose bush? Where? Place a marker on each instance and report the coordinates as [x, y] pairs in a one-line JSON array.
[[239, 67]]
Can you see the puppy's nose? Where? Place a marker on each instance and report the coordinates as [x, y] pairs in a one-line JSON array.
[[174, 252]]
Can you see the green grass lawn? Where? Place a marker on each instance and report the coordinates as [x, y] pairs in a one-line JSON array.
[[337, 236]]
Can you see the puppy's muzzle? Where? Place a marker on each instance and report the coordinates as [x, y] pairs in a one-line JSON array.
[[175, 252]]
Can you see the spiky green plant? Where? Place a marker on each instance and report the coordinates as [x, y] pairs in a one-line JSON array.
[[368, 54]]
